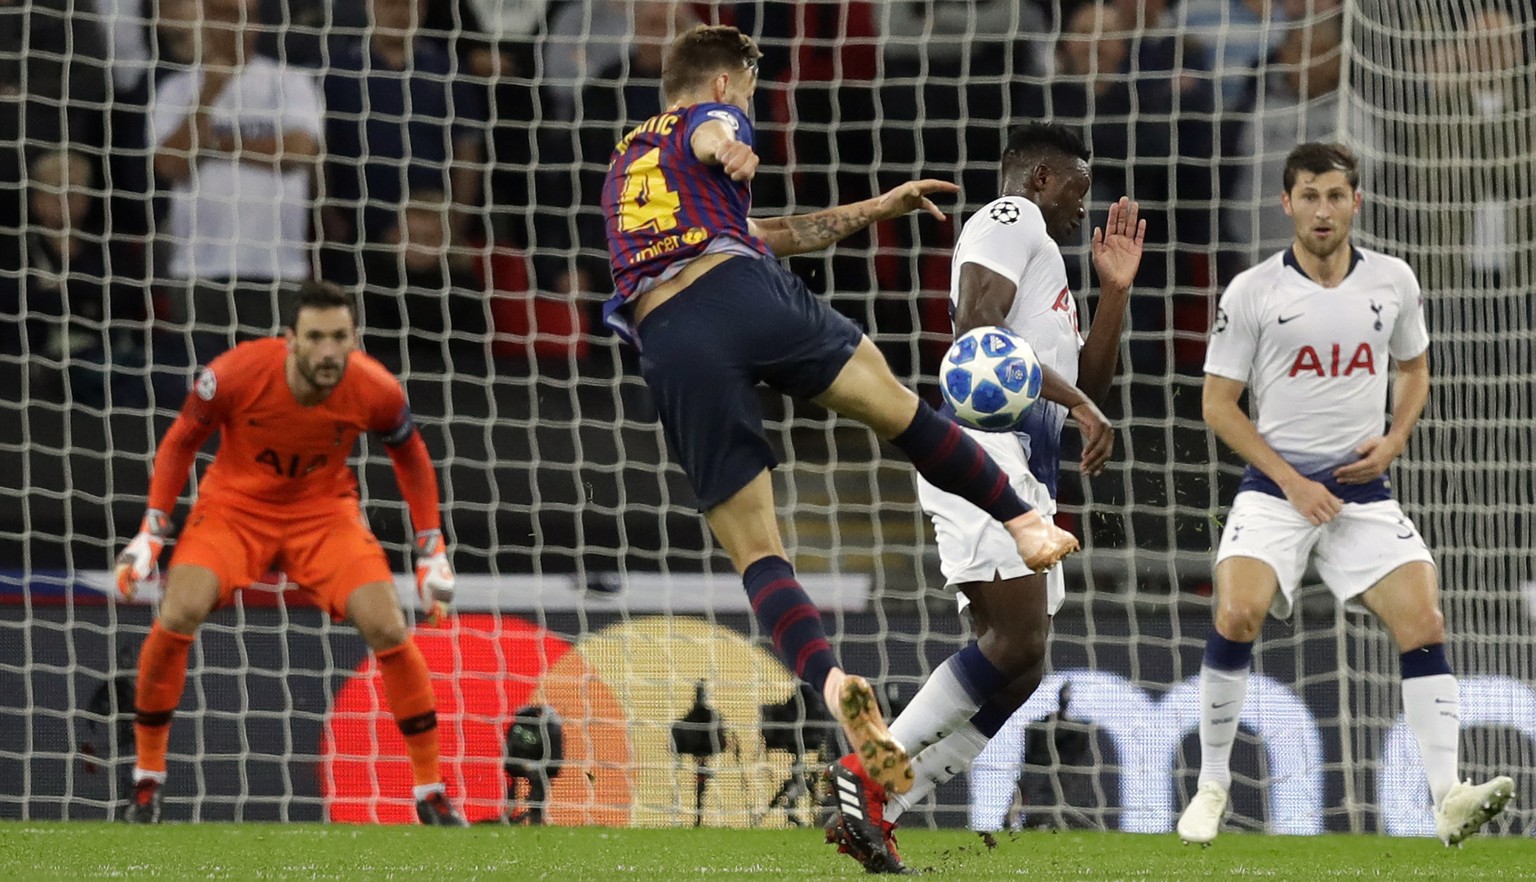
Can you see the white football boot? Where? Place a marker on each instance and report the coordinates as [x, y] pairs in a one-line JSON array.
[[1201, 820], [1469, 806]]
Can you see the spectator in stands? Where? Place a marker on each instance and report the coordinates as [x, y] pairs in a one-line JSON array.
[[235, 141], [620, 95], [1170, 71], [1468, 207], [52, 90], [1236, 35], [147, 40], [416, 299], [1129, 120], [496, 43], [398, 120], [1299, 101], [63, 295], [583, 39], [929, 51]]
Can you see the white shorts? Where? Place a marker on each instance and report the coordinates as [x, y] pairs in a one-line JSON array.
[[1353, 551], [975, 548]]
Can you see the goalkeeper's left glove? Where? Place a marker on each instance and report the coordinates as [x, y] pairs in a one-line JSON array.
[[139, 561], [434, 575]]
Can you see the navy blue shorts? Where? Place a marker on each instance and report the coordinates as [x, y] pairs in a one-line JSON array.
[[703, 353]]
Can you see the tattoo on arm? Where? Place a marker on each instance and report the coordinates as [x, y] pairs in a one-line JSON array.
[[803, 233]]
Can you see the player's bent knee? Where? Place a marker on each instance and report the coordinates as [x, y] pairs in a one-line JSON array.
[[375, 612], [191, 593], [1427, 630], [384, 636], [1238, 621]]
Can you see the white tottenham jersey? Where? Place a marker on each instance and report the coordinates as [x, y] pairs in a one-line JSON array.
[[1315, 359], [1008, 237]]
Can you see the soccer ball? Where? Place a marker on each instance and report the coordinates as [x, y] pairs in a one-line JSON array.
[[991, 377]]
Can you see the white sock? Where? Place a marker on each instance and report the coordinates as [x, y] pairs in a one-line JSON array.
[[146, 775], [939, 708], [1221, 706], [1432, 707], [937, 765], [422, 791]]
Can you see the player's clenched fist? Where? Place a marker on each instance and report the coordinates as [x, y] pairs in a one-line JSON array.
[[140, 560], [737, 160], [434, 575]]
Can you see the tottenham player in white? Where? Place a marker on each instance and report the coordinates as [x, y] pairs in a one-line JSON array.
[[1309, 333], [1007, 271]]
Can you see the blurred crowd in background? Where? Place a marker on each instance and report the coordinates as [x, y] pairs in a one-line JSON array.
[[447, 155]]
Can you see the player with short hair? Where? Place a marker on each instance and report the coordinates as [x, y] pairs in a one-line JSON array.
[[279, 493], [1309, 333], [702, 296], [1007, 271]]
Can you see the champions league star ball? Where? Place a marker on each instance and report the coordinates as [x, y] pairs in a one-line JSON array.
[[990, 377]]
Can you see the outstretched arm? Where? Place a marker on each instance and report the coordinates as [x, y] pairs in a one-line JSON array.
[[714, 143], [1116, 255], [803, 233]]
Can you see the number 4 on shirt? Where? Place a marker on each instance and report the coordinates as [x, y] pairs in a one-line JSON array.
[[647, 203]]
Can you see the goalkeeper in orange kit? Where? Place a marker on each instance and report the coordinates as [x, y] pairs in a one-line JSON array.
[[279, 493]]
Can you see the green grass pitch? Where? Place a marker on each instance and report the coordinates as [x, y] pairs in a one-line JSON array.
[[77, 851]]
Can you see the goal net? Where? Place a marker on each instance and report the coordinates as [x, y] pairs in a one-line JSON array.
[[446, 160]]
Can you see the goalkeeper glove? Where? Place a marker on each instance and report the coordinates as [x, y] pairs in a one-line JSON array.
[[139, 561], [434, 575]]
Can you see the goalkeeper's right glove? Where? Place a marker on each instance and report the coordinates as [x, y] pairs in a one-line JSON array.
[[140, 560]]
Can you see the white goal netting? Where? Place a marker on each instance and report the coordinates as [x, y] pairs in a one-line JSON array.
[[445, 156]]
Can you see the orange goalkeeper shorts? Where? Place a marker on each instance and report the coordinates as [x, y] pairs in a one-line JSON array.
[[328, 552]]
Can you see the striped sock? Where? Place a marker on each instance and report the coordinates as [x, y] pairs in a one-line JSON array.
[[788, 616], [953, 462]]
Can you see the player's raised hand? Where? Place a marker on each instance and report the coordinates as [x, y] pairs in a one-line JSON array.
[[1315, 502], [434, 576], [737, 159], [1098, 436], [1117, 245], [913, 196], [1376, 455], [140, 560]]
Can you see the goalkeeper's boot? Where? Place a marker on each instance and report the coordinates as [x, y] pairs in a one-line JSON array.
[[881, 755], [1469, 806], [1201, 820], [144, 805], [434, 810], [858, 826]]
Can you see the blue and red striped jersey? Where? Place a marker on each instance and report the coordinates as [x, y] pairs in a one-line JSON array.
[[663, 205]]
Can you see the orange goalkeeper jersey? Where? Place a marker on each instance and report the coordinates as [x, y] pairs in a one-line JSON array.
[[275, 455]]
